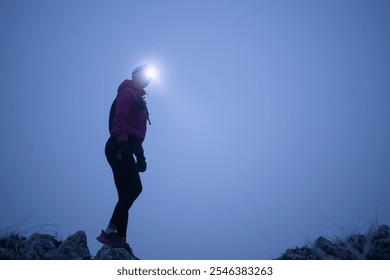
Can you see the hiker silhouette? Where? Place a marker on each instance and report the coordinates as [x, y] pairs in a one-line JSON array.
[[127, 125]]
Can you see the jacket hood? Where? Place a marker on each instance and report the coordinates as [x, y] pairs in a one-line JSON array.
[[132, 85]]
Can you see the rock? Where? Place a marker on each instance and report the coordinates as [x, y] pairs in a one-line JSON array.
[[7, 254], [326, 249], [358, 242], [380, 244], [8, 246], [109, 253], [302, 253], [75, 247], [372, 246], [36, 246], [44, 247]]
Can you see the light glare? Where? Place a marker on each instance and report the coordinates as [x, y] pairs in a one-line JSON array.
[[151, 73]]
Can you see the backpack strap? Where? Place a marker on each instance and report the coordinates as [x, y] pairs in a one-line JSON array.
[[140, 104]]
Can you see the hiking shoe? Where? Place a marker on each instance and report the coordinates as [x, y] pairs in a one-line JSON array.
[[111, 239]]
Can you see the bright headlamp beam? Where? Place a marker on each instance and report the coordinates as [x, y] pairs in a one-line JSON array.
[[150, 73]]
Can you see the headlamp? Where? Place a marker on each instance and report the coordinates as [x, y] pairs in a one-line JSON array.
[[150, 73], [146, 71]]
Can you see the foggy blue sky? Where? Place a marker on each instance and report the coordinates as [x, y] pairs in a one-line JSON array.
[[270, 121]]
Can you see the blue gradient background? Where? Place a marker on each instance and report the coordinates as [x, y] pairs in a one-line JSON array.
[[270, 121]]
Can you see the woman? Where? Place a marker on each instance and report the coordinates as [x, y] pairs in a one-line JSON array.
[[127, 125]]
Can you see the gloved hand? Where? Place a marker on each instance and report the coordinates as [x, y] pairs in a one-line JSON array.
[[124, 152], [141, 163]]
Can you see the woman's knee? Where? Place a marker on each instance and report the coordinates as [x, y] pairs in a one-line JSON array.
[[126, 200]]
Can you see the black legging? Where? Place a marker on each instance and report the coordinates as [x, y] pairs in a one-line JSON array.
[[127, 182]]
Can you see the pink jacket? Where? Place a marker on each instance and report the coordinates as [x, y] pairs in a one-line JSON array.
[[130, 113]]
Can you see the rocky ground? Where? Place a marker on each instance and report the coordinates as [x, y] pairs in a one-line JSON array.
[[371, 246], [46, 247]]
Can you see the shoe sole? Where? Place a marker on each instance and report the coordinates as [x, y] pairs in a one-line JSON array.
[[108, 242]]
